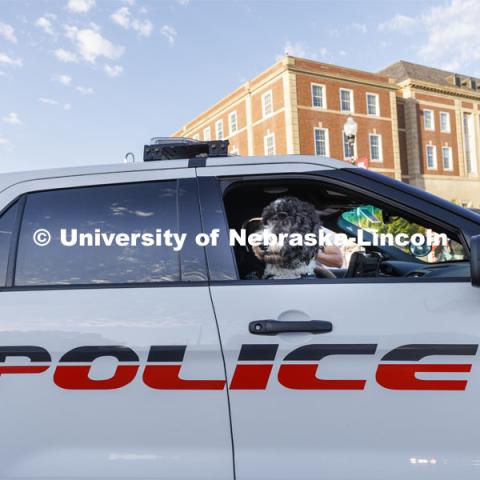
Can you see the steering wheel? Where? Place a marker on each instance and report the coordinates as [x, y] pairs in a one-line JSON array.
[[323, 272]]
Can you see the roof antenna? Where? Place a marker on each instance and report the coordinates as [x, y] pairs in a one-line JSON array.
[[129, 154]]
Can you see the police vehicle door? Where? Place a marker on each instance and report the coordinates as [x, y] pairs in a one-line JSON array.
[[110, 358], [384, 394]]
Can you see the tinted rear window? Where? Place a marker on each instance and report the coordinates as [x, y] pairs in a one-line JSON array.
[[129, 208]]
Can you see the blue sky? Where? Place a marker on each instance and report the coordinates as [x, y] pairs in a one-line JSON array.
[[85, 81]]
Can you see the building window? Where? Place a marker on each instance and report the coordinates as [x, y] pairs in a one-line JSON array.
[[234, 150], [346, 100], [267, 104], [428, 121], [219, 129], [232, 123], [447, 158], [445, 122], [321, 142], [348, 151], [431, 157], [196, 136], [269, 144], [376, 154], [207, 134], [319, 99], [373, 106]]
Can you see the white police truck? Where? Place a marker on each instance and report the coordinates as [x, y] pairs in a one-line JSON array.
[[131, 361]]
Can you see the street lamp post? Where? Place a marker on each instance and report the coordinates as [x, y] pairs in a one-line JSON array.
[[350, 129]]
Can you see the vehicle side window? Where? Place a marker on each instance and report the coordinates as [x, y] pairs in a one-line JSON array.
[[8, 222], [136, 208], [304, 229]]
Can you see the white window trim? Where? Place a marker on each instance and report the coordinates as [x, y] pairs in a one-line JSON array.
[[377, 103], [434, 147], [234, 150], [352, 103], [209, 130], [264, 95], [217, 123], [450, 154], [230, 115], [327, 141], [470, 137], [380, 147], [324, 96], [265, 146], [449, 127], [433, 120]]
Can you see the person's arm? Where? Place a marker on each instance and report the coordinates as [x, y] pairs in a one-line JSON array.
[[330, 256]]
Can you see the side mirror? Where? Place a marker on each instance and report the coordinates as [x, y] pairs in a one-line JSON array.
[[475, 260]]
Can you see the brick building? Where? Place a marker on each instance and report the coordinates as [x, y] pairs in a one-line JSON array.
[[439, 130], [412, 120]]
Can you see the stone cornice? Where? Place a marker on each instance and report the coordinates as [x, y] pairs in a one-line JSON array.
[[340, 77], [443, 89]]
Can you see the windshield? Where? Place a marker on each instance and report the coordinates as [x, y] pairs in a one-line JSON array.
[[377, 221]]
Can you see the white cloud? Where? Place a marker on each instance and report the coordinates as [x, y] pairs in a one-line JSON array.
[[124, 19], [65, 56], [450, 31], [169, 33], [184, 3], [7, 60], [453, 41], [360, 27], [64, 79], [3, 141], [12, 118], [113, 70], [399, 23], [85, 90], [51, 101], [121, 17], [46, 25], [90, 44], [80, 6], [143, 28], [7, 32], [298, 49], [48, 101]]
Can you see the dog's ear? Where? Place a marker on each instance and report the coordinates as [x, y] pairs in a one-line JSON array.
[[310, 217]]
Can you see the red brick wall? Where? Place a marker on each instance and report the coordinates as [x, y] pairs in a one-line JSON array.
[[437, 138], [277, 92], [333, 119]]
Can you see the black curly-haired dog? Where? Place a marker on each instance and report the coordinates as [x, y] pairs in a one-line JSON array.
[[288, 215]]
